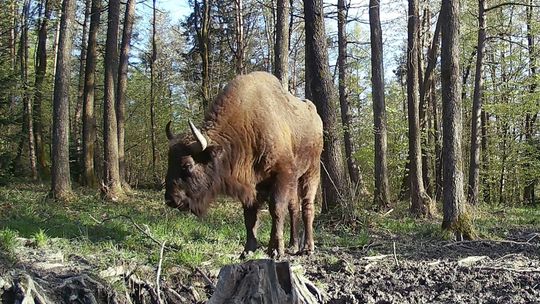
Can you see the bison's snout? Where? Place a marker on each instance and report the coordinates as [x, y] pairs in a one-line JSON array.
[[176, 200]]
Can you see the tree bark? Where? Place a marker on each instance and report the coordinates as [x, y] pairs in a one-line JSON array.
[[27, 101], [486, 185], [153, 91], [529, 196], [319, 88], [454, 215], [281, 48], [239, 53], [61, 182], [89, 120], [421, 204], [203, 40], [122, 87], [474, 161], [112, 185], [382, 191], [354, 173], [40, 71], [264, 281], [77, 136]]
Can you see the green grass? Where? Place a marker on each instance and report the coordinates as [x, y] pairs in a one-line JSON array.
[[106, 233]]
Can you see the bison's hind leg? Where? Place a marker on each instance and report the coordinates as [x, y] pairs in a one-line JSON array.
[[307, 190], [294, 214]]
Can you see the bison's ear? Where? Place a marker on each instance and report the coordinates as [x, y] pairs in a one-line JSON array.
[[168, 131]]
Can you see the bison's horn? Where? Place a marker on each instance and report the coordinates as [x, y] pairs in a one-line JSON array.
[[198, 135], [168, 131]]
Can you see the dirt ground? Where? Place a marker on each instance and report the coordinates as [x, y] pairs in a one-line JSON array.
[[482, 271], [416, 271]]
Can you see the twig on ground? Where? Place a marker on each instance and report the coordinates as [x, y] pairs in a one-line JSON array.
[[158, 275], [535, 235], [376, 257], [523, 270], [459, 243], [146, 231], [395, 256], [388, 212], [206, 278]]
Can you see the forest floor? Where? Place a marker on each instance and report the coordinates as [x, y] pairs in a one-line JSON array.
[[96, 252]]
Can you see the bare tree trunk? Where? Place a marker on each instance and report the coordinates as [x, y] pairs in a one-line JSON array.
[[76, 124], [354, 173], [455, 218], [319, 88], [281, 48], [41, 70], [486, 185], [529, 196], [153, 91], [122, 87], [112, 186], [421, 204], [240, 67], [89, 119], [27, 102], [203, 37], [382, 190], [426, 86], [474, 162], [61, 182]]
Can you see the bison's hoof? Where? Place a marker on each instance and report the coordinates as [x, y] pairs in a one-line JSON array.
[[274, 253], [293, 249], [247, 254]]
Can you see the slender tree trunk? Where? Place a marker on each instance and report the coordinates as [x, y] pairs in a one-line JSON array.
[[354, 173], [41, 70], [486, 187], [203, 37], [240, 67], [529, 196], [421, 204], [27, 101], [122, 87], [281, 48], [319, 88], [89, 119], [426, 88], [466, 74], [382, 190], [455, 218], [77, 136], [474, 162], [112, 186], [61, 182], [437, 141], [153, 92]]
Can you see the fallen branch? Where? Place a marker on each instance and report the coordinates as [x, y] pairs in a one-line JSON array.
[[395, 256], [206, 278], [489, 241], [523, 270], [158, 274]]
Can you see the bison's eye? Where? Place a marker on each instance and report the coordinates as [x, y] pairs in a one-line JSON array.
[[188, 168]]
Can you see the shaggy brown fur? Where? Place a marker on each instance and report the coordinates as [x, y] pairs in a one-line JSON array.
[[263, 144]]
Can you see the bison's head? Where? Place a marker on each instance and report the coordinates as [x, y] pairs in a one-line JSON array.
[[193, 171]]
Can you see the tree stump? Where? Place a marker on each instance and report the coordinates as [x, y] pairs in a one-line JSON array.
[[263, 281]]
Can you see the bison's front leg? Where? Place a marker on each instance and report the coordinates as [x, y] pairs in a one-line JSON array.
[[250, 220]]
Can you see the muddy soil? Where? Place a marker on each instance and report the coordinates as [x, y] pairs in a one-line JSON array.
[[390, 269], [483, 271]]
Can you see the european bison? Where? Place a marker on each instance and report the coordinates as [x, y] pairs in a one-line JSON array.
[[257, 143]]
